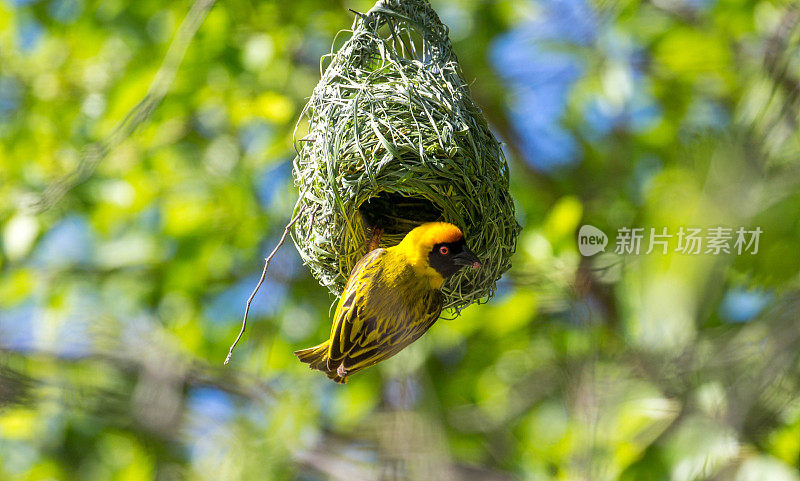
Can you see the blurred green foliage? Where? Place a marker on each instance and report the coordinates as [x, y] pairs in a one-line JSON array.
[[118, 304]]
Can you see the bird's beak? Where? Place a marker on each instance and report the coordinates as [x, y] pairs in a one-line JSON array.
[[467, 258]]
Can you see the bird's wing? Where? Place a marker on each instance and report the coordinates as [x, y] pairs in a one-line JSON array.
[[374, 322], [394, 333], [367, 268]]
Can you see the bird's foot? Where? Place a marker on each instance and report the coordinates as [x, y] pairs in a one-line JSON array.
[[375, 238], [341, 371]]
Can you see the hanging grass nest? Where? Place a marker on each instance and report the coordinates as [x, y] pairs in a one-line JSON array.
[[395, 140]]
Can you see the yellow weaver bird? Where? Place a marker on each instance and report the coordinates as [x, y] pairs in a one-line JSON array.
[[391, 298]]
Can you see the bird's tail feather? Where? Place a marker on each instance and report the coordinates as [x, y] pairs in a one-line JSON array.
[[317, 358]]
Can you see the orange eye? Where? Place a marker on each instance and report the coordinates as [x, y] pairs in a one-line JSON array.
[[444, 250]]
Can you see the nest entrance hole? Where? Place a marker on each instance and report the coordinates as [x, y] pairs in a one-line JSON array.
[[396, 213]]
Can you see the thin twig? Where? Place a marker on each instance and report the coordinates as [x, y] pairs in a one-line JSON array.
[[261, 281]]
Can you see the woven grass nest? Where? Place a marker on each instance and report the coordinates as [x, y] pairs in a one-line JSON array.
[[395, 140]]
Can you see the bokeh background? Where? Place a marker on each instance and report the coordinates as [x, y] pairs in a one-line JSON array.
[[120, 295]]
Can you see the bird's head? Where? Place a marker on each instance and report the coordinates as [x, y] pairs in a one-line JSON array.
[[440, 247]]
